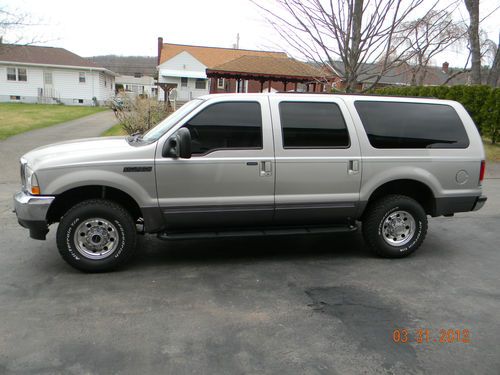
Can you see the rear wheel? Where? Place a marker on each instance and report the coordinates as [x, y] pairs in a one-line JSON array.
[[395, 226], [96, 236]]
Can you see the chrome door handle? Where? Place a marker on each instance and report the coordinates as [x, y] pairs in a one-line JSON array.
[[266, 168], [353, 167]]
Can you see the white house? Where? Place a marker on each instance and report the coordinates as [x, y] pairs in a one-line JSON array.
[[33, 74], [143, 85], [186, 74]]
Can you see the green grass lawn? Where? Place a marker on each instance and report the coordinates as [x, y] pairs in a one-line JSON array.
[[18, 118], [115, 130]]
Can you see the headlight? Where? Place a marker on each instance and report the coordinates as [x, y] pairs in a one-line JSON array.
[[31, 181]]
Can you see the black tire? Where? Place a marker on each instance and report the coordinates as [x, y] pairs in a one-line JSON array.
[[98, 219], [378, 220]]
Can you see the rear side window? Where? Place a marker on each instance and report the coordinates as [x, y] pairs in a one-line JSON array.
[[412, 125], [313, 125], [231, 125]]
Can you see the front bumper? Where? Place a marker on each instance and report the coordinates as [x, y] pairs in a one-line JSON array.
[[31, 213]]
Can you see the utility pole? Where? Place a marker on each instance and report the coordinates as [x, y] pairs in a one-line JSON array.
[[237, 44]]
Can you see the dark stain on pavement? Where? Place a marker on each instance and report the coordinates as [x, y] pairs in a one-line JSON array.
[[369, 321]]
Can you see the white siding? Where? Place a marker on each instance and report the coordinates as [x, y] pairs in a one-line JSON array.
[[183, 62], [187, 63], [105, 90], [69, 89], [137, 85], [28, 91], [65, 85]]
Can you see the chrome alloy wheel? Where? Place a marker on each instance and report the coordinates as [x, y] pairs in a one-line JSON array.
[[398, 228], [96, 238]]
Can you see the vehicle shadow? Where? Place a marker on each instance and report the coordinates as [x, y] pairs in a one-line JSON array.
[[152, 251]]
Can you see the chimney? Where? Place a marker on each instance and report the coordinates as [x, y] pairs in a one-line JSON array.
[[160, 46], [445, 67]]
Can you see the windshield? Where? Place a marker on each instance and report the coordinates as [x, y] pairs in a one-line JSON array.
[[155, 133]]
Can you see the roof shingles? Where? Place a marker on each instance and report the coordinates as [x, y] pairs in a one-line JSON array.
[[266, 65], [42, 55], [212, 56]]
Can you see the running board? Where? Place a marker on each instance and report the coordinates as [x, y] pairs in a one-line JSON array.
[[176, 235]]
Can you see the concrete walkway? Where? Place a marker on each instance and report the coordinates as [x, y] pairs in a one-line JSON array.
[[14, 147]]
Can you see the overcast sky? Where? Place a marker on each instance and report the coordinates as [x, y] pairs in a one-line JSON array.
[[105, 27]]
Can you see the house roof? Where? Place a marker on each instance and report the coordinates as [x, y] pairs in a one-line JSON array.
[[127, 65], [43, 56], [269, 66], [401, 74], [398, 75], [212, 56]]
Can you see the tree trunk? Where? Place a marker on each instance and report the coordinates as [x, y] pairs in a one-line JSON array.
[[354, 53], [495, 68], [474, 43]]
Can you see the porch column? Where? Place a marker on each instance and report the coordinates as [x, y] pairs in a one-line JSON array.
[[237, 85], [284, 85], [296, 86], [213, 84], [269, 86], [167, 102], [261, 86], [314, 87]]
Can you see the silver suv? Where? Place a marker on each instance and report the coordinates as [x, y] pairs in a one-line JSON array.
[[258, 164]]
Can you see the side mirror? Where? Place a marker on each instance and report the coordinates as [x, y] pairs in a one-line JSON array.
[[178, 145]]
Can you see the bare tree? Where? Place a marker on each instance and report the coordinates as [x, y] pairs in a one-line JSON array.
[[474, 40], [354, 32], [14, 25], [429, 36], [494, 73]]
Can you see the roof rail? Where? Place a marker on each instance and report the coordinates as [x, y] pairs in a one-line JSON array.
[[355, 94]]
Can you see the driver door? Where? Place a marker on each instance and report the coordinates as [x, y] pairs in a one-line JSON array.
[[229, 180]]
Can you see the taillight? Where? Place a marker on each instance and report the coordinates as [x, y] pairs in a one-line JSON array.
[[481, 172]]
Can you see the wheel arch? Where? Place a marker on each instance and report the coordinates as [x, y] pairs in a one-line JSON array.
[[64, 201], [415, 189]]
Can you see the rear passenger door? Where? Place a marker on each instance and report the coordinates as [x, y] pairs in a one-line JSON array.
[[318, 161]]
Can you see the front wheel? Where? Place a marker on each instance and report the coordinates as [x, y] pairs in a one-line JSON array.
[[96, 236], [395, 226]]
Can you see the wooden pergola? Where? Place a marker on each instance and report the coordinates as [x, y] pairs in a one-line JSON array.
[[311, 82], [284, 70]]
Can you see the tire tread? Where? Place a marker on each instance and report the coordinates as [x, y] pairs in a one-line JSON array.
[[126, 222], [371, 222]]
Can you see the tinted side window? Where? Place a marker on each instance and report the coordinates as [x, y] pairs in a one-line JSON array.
[[232, 125], [412, 125], [313, 125]]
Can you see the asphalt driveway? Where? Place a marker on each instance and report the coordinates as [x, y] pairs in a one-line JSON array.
[[291, 305], [11, 149]]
